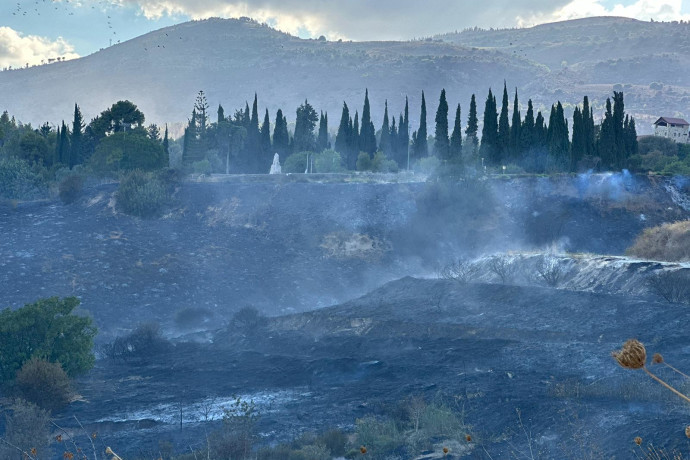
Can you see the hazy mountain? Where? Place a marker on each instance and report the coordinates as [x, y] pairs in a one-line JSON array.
[[231, 59]]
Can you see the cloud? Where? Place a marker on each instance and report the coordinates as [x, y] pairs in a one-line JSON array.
[[17, 49], [659, 10]]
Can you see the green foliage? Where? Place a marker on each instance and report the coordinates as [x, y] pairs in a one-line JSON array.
[[441, 142], [33, 147], [202, 167], [44, 383], [381, 436], [427, 165], [19, 181], [46, 329], [421, 148], [296, 163], [305, 122], [236, 437], [71, 188], [328, 161], [364, 162], [142, 194], [126, 151]]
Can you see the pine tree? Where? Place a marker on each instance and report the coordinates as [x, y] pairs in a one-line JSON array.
[[77, 154], [201, 108], [503, 129], [421, 149], [265, 134], [367, 136], [322, 140], [441, 143], [472, 125], [489, 147], [515, 138], [455, 147], [281, 138], [343, 136], [385, 143]]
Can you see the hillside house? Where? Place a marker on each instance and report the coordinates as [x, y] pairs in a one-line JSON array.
[[675, 129]]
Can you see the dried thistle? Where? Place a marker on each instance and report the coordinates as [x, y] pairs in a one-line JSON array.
[[468, 438], [633, 355], [687, 431], [638, 440], [657, 358], [363, 450]]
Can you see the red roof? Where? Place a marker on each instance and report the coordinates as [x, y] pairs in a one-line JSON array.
[[672, 121]]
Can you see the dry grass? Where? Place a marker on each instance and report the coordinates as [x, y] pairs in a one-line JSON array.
[[667, 242]]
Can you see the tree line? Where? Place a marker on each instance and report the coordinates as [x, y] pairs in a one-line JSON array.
[[241, 144]]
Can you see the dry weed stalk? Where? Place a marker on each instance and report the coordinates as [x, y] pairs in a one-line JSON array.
[[633, 355]]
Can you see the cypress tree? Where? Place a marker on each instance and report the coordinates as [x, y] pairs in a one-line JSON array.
[[322, 139], [266, 138], [77, 154], [57, 157], [631, 138], [503, 128], [404, 136], [606, 144], [441, 143], [342, 138], [421, 149], [577, 148], [515, 137], [281, 138], [455, 147], [527, 136], [246, 117], [472, 125], [367, 136], [559, 145], [540, 131], [355, 140], [64, 145], [588, 129], [385, 143], [619, 132], [166, 147], [221, 114], [489, 147], [393, 136]]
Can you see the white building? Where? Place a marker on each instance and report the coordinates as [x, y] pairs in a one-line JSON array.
[[675, 129]]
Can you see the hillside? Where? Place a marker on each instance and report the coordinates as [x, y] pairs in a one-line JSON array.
[[232, 59]]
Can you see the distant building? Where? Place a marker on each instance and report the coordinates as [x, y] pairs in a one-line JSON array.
[[675, 129]]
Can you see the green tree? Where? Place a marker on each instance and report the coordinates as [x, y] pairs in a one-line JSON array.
[[46, 329], [472, 125], [281, 138], [343, 136], [503, 129], [490, 147], [127, 151], [266, 137], [385, 144], [577, 147], [76, 138], [221, 114], [557, 136], [322, 140], [456, 139], [606, 143], [64, 147], [441, 144], [527, 136], [404, 137], [367, 136], [421, 149], [304, 128], [166, 147], [515, 127], [33, 147]]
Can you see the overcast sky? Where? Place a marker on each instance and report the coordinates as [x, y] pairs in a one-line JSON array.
[[36, 30]]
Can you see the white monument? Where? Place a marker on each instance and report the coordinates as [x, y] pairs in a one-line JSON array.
[[275, 167]]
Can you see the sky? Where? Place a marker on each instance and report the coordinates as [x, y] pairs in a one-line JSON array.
[[35, 31]]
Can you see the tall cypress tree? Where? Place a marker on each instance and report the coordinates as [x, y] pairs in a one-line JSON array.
[[472, 125], [588, 129], [322, 139], [577, 147], [367, 136], [540, 131], [77, 154], [619, 131], [527, 136], [503, 128], [441, 143], [606, 144], [515, 127], [342, 138], [404, 136], [57, 156], [421, 149], [489, 147], [281, 138], [221, 114], [630, 137], [385, 143], [455, 148], [266, 138], [64, 145], [166, 147], [557, 136], [355, 144], [393, 136]]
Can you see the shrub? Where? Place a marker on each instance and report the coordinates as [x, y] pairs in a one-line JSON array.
[[296, 163], [70, 189], [549, 271], [18, 181], [428, 165], [363, 162], [202, 167], [236, 437], [248, 319], [26, 428], [328, 161], [672, 286], [503, 268], [46, 328], [144, 342], [462, 271], [44, 384], [667, 242], [142, 194]]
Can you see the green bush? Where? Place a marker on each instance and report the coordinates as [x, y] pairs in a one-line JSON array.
[[44, 384], [47, 329], [142, 194], [364, 162], [328, 161], [202, 167], [127, 151], [381, 164], [19, 181], [70, 189], [296, 163], [27, 427], [428, 165]]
